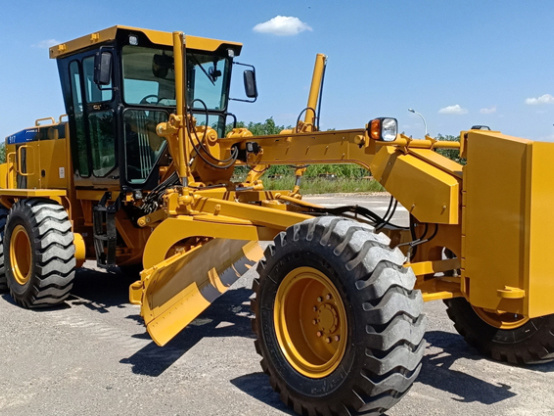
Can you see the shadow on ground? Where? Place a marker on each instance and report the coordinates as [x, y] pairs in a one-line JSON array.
[[443, 350], [103, 290], [437, 371], [256, 385], [228, 316]]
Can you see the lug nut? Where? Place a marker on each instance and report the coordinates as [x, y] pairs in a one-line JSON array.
[[319, 333], [328, 340], [315, 308], [337, 338], [314, 322], [319, 299], [328, 297]]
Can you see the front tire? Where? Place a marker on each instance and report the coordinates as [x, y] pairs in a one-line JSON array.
[[504, 337], [338, 326], [39, 253]]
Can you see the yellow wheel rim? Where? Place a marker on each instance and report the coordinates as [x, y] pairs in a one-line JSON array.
[[310, 322], [500, 319], [20, 255]]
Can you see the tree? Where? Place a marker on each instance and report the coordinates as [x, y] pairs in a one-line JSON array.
[[268, 127], [453, 154]]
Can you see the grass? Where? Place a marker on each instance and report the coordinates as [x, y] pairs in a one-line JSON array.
[[325, 186]]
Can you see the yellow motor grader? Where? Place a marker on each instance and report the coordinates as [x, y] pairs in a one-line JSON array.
[[139, 173]]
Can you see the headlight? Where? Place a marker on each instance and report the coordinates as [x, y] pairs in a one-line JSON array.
[[383, 128]]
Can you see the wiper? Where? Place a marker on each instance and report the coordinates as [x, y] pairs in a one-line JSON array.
[[202, 68]]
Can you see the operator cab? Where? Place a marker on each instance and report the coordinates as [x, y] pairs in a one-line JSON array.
[[119, 84]]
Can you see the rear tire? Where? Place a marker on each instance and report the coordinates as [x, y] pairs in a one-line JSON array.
[[355, 355], [518, 341], [40, 254], [3, 280]]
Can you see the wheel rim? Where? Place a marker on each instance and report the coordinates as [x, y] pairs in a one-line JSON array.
[[500, 319], [310, 322], [20, 255]]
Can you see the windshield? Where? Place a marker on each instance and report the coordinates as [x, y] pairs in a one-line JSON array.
[[206, 77], [149, 82], [149, 78]]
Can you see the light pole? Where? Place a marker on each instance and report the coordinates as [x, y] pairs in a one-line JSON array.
[[411, 110]]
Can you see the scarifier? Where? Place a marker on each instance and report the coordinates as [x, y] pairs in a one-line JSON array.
[[139, 174]]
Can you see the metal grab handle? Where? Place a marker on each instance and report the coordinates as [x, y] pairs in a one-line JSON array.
[[51, 119], [18, 169], [11, 167]]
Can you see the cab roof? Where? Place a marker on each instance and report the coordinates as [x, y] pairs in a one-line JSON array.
[[155, 36]]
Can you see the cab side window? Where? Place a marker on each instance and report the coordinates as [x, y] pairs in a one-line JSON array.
[[80, 151], [94, 144]]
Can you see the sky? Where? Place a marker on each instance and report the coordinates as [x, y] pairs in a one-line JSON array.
[[456, 63]]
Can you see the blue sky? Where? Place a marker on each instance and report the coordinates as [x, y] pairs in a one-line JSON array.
[[456, 63]]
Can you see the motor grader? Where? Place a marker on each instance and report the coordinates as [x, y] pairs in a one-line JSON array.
[[141, 172]]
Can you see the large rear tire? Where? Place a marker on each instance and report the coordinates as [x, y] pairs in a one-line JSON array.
[[3, 280], [504, 337], [338, 324], [39, 253]]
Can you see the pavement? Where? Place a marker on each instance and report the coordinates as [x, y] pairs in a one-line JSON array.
[[92, 356]]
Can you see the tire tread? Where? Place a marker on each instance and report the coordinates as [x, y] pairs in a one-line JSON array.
[[54, 254], [533, 342], [391, 309]]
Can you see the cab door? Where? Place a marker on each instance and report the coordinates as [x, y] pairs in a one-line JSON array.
[[94, 144]]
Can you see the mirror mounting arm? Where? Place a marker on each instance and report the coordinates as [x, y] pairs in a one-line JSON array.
[[250, 86]]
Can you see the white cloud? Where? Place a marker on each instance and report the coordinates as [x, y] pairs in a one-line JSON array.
[[489, 110], [282, 26], [453, 109], [47, 43], [543, 99]]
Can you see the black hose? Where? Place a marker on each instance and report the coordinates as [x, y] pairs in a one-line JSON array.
[[393, 203], [349, 210], [300, 115], [421, 240], [227, 163]]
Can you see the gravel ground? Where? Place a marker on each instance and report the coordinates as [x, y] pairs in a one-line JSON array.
[[93, 357]]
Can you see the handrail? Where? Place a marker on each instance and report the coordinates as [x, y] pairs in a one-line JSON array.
[[11, 167], [19, 163], [51, 119]]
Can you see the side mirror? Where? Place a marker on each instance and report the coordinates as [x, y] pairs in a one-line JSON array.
[[250, 86], [103, 68]]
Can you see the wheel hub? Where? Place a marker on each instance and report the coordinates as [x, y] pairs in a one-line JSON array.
[[20, 255], [327, 318], [501, 319], [310, 322]]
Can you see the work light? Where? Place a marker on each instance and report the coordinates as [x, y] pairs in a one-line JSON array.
[[383, 128]]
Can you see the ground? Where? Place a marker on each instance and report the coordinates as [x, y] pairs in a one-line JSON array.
[[93, 357]]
